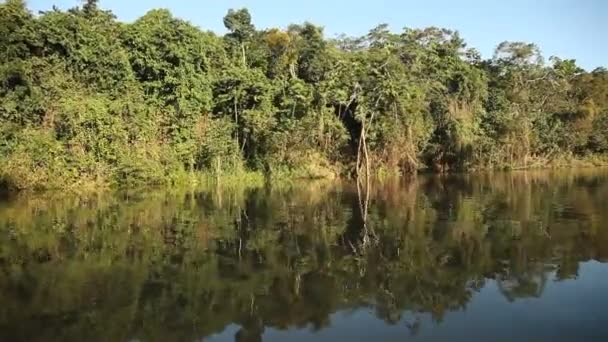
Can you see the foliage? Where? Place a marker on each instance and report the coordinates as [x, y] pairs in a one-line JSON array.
[[142, 102]]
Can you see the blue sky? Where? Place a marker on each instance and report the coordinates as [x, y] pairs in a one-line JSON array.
[[567, 28]]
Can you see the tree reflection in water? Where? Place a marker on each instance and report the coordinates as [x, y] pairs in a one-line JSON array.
[[171, 265]]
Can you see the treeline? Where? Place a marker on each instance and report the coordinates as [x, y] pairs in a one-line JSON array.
[[86, 99]]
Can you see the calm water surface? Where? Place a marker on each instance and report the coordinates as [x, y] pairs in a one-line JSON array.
[[497, 257]]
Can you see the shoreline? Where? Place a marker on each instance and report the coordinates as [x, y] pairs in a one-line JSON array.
[[257, 179]]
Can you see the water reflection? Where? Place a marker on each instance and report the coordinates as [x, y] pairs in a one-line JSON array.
[[182, 266]]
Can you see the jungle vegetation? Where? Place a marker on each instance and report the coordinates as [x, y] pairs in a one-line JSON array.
[[87, 99]]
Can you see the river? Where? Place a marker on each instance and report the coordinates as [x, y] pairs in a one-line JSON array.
[[474, 257]]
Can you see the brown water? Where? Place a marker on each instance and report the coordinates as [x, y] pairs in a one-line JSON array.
[[500, 257]]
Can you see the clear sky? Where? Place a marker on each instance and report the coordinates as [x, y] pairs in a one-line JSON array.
[[566, 28]]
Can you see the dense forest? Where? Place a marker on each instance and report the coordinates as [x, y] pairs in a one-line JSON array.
[[87, 99]]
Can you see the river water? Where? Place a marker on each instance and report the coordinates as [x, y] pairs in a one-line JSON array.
[[478, 257]]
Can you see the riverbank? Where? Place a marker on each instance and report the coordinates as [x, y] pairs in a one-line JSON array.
[[559, 162], [44, 180]]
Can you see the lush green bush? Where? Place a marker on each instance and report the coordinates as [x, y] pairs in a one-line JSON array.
[[33, 158]]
